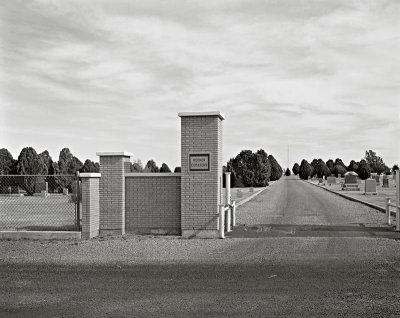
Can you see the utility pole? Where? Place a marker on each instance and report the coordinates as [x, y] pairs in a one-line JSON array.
[[287, 157]]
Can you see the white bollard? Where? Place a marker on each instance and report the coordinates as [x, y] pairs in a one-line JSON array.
[[388, 210], [221, 221], [228, 220], [234, 213], [227, 188], [398, 202]]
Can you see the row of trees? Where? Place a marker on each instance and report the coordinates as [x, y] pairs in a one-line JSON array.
[[253, 169], [370, 164], [29, 162]]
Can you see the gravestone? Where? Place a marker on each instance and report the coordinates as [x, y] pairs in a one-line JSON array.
[[350, 182], [239, 193], [331, 180], [377, 179], [65, 191], [385, 182], [320, 180], [251, 189], [370, 186]]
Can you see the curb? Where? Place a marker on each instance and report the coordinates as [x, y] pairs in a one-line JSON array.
[[40, 235], [353, 199], [254, 195]]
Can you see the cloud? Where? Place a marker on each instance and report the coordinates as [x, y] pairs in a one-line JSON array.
[[321, 76]]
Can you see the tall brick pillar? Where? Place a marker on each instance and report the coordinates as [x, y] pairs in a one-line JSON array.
[[113, 166], [201, 172], [90, 205]]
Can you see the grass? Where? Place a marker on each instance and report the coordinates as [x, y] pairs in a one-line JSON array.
[[54, 212], [378, 199]]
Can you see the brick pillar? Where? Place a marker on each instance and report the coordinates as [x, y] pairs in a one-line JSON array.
[[201, 175], [113, 166], [90, 205]]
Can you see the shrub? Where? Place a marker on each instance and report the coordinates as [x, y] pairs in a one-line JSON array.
[[287, 173]]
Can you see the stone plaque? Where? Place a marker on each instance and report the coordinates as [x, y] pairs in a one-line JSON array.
[[199, 162], [370, 186]]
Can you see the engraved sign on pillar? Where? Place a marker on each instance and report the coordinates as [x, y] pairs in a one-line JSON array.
[[199, 162]]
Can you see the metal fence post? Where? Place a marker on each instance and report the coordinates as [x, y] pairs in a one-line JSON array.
[[388, 210], [78, 203], [221, 221]]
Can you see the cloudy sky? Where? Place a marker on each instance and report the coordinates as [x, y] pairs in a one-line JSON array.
[[320, 76]]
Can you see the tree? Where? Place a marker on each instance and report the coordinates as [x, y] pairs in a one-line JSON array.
[[165, 168], [67, 163], [89, 166], [330, 164], [364, 171], [151, 167], [305, 169], [250, 169], [395, 168], [296, 169], [137, 166], [321, 169], [374, 162], [177, 169], [339, 170], [7, 162], [353, 166], [30, 163], [276, 169], [287, 173]]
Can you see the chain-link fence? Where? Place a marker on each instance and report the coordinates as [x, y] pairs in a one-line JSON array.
[[39, 202]]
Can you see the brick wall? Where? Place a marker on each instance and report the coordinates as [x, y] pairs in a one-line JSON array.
[[90, 205], [112, 192], [201, 191], [153, 203]]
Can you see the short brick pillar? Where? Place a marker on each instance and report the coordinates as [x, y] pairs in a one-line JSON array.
[[113, 166], [201, 173], [90, 204]]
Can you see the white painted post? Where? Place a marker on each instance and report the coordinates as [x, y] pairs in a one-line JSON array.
[[221, 221], [234, 213], [228, 220], [388, 210], [227, 188], [398, 202]]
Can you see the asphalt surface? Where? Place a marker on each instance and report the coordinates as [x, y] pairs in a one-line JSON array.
[[297, 271]]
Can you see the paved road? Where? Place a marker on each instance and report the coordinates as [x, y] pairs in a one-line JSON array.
[[287, 275], [295, 207]]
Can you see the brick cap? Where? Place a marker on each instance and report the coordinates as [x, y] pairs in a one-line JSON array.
[[90, 175], [111, 154], [153, 174], [199, 114]]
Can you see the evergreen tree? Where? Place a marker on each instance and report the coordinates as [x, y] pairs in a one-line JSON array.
[[287, 173], [165, 168], [151, 167], [276, 169], [364, 170], [296, 169], [7, 162]]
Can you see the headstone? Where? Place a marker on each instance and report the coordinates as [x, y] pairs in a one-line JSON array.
[[320, 180], [350, 179], [350, 183], [385, 182], [377, 178], [65, 191], [239, 193], [370, 186], [331, 180], [41, 186], [251, 189]]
